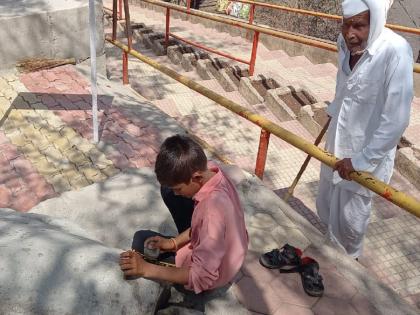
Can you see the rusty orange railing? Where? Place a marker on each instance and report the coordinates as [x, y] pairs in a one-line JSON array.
[[265, 133], [245, 25], [254, 4], [399, 198]]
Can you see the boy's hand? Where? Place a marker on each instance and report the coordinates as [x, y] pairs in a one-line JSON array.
[[132, 264], [164, 244]]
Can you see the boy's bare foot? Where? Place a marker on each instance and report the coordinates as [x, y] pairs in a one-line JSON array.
[[132, 264]]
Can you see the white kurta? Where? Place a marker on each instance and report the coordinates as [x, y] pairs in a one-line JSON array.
[[369, 114]]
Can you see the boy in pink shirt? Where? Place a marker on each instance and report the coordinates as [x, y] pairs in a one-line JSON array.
[[212, 250]]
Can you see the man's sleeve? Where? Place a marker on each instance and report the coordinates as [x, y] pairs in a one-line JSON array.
[[395, 115], [208, 254]]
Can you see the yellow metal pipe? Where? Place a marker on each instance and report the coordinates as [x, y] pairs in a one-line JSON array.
[[365, 179], [264, 30]]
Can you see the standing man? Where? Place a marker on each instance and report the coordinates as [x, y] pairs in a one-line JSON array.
[[369, 114]]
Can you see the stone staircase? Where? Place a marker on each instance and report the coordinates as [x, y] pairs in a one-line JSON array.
[[207, 119], [289, 90]]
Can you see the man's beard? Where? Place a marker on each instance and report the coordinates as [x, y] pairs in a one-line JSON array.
[[360, 52]]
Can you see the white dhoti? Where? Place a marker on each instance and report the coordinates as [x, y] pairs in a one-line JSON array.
[[346, 214]]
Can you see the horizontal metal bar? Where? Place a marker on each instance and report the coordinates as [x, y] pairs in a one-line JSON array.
[[365, 179], [261, 29], [264, 30], [214, 51], [394, 27]]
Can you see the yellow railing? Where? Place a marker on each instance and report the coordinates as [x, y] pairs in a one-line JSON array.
[[365, 179]]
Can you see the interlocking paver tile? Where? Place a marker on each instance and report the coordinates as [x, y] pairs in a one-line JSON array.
[[5, 196], [288, 309], [24, 199], [328, 306], [288, 288], [256, 296]]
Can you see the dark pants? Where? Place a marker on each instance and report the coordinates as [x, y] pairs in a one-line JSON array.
[[181, 209]]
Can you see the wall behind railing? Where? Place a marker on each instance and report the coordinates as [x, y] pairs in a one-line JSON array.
[[314, 54]]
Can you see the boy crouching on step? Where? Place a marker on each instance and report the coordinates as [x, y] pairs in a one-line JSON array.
[[210, 252]]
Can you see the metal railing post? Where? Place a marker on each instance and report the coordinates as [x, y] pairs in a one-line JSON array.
[[262, 153], [114, 19], [367, 180], [254, 53], [168, 16], [129, 40], [250, 20], [120, 8]]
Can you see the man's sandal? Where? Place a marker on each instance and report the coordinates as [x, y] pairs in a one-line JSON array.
[[309, 273], [287, 256]]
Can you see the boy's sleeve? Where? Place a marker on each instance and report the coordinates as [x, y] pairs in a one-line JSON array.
[[208, 254]]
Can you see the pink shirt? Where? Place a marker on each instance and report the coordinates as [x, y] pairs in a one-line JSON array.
[[219, 240]]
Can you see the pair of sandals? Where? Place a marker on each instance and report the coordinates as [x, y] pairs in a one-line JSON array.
[[289, 259]]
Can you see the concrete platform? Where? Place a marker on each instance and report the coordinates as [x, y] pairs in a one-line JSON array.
[[46, 28], [110, 212]]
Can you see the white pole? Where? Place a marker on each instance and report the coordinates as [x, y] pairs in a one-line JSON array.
[[94, 88]]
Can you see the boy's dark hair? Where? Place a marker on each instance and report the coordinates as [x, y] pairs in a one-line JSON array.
[[179, 157]]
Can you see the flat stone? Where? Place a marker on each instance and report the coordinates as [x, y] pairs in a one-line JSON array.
[[333, 306], [253, 269], [363, 306], [288, 288], [289, 309], [262, 221], [256, 296], [50, 266], [292, 236], [261, 240], [128, 202]]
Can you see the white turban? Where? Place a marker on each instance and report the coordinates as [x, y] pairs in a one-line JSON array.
[[378, 14], [353, 7]]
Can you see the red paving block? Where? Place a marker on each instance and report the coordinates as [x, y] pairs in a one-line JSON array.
[[253, 269], [9, 151], [125, 149], [120, 161], [23, 166], [24, 200], [5, 197], [133, 130], [39, 186], [50, 75], [256, 296], [3, 138], [141, 162], [14, 183], [145, 150]]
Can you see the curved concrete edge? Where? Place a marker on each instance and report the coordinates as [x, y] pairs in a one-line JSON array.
[[48, 266], [386, 300], [112, 211]]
